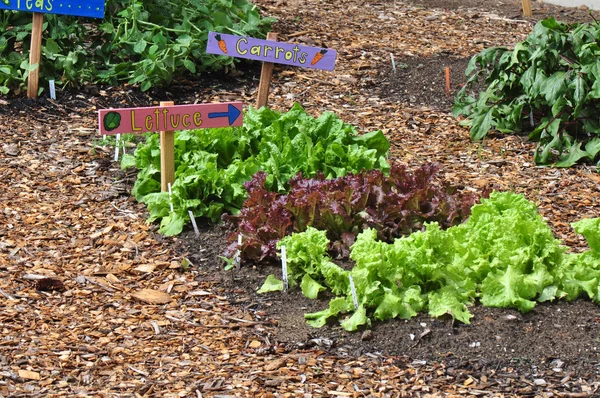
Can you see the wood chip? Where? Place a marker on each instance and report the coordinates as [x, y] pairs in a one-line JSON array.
[[29, 375], [151, 296]]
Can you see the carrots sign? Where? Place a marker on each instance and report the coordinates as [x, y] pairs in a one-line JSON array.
[[271, 51], [79, 8]]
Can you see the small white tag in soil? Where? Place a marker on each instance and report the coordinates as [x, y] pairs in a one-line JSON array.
[[170, 199], [193, 220], [118, 140], [284, 268], [353, 290]]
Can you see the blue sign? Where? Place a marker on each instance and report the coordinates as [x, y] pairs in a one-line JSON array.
[[78, 8]]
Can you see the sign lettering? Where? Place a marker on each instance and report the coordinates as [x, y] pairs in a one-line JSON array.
[[271, 51], [169, 118]]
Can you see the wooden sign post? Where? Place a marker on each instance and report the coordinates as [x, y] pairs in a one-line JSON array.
[[527, 8], [270, 52], [166, 119], [80, 8], [266, 74], [35, 52], [167, 155]]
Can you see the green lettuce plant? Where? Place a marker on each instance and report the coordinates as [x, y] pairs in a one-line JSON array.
[[505, 256], [212, 165]]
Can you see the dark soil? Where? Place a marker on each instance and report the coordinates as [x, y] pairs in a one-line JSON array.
[[421, 82]]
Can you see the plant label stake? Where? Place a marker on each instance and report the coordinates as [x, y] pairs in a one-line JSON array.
[[238, 253], [393, 62], [170, 197], [266, 74], [52, 89], [270, 51], [193, 220], [448, 81], [79, 8], [117, 140], [353, 291], [166, 119], [284, 268]]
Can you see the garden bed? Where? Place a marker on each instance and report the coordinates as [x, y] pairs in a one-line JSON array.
[[74, 219]]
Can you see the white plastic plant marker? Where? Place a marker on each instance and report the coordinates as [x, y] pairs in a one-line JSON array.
[[118, 140], [193, 220], [284, 268], [393, 62], [52, 89], [531, 118], [170, 198], [238, 253], [353, 290]]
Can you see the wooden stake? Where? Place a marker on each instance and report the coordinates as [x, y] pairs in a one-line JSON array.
[[448, 81], [265, 78], [167, 155], [527, 8], [35, 55]]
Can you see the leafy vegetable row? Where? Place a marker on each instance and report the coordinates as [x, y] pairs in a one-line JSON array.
[[394, 205], [505, 255], [548, 85], [212, 165]]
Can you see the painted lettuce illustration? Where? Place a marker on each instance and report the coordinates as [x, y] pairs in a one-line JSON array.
[[111, 121]]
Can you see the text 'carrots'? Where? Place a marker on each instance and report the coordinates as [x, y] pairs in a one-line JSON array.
[[221, 43], [318, 56]]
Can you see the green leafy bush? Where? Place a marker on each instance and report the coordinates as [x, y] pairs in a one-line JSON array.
[[212, 165], [505, 255], [145, 43], [547, 85]]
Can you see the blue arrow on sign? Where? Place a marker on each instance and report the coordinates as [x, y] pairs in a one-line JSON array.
[[232, 113]]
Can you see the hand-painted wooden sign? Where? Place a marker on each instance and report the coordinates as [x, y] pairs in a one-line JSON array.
[[271, 51], [169, 118], [79, 8]]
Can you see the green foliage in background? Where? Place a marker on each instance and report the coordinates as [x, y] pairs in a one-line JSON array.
[[144, 43], [548, 85]]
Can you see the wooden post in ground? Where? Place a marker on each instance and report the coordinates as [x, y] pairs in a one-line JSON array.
[[527, 8], [265, 78], [35, 55], [167, 155]]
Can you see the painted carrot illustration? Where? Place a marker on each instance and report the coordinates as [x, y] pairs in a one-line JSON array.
[[221, 43], [318, 56]]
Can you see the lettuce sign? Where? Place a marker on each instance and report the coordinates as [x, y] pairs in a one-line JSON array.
[[79, 8]]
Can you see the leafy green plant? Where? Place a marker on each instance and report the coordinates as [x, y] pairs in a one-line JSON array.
[[504, 255], [394, 205], [142, 43], [547, 85], [212, 165]]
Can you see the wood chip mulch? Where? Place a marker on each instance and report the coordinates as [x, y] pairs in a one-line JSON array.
[[96, 303]]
